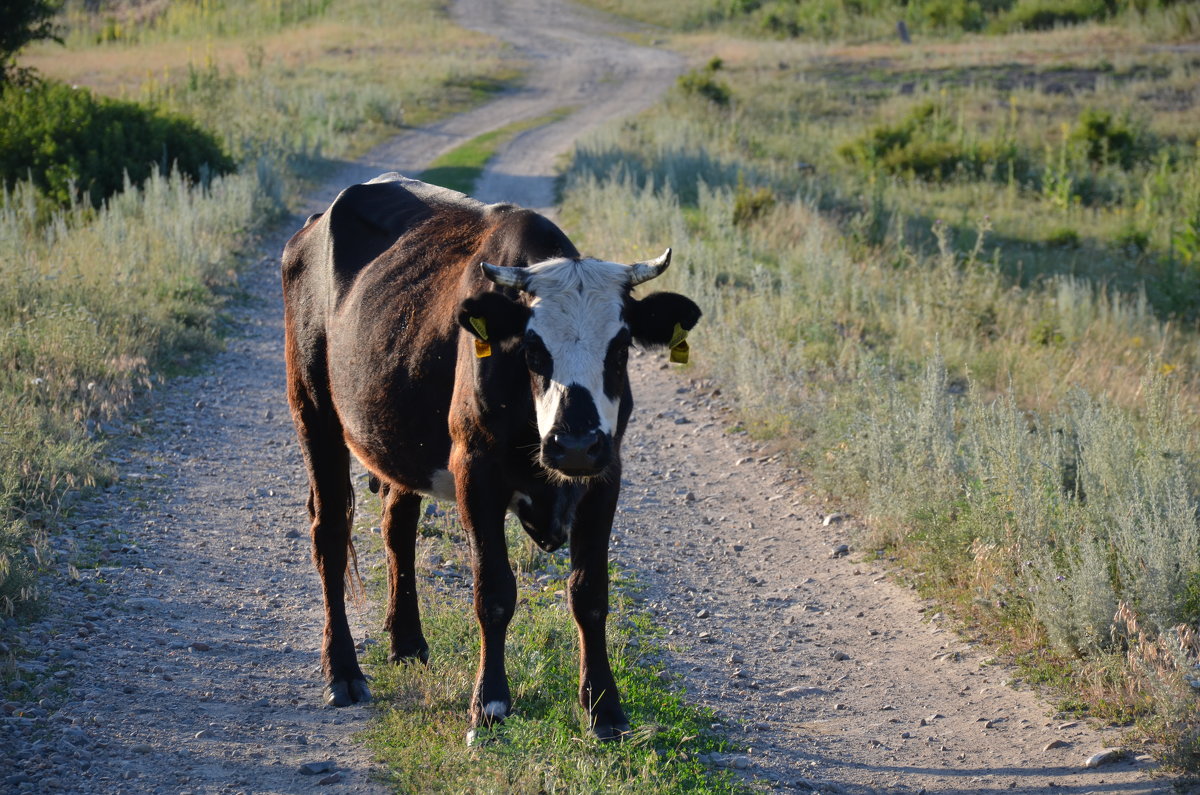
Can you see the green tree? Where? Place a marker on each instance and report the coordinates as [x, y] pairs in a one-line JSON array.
[[22, 22]]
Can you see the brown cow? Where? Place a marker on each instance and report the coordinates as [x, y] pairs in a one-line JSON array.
[[464, 351]]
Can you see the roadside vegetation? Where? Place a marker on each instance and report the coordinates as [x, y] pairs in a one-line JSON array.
[[140, 161], [959, 281], [866, 20], [543, 747]]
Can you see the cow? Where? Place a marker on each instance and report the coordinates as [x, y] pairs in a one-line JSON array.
[[465, 351]]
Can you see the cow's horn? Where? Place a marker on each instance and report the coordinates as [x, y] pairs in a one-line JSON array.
[[505, 277], [645, 271]]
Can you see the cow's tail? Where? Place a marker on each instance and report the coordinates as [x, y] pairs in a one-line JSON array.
[[354, 580]]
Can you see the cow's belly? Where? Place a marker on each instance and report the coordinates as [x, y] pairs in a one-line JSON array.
[[393, 423]]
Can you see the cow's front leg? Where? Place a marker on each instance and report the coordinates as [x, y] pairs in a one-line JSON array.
[[482, 506], [401, 510], [587, 589]]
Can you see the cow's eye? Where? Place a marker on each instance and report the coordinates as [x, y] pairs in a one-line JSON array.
[[537, 358]]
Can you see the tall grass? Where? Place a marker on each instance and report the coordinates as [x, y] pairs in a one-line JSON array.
[[97, 304], [1022, 435], [874, 19]]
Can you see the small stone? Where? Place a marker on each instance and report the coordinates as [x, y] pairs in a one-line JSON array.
[[293, 533], [143, 603], [141, 748], [839, 655], [736, 659], [1050, 746], [841, 706], [739, 762], [702, 613], [832, 518], [905, 735], [203, 734], [840, 551], [800, 690], [744, 460], [313, 768], [1104, 757], [199, 645], [331, 779]]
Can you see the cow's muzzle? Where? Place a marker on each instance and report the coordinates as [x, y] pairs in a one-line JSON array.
[[577, 455]]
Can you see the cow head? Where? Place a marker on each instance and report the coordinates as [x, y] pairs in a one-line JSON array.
[[575, 328]]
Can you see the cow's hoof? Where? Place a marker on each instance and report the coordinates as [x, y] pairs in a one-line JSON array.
[[414, 653], [343, 693], [607, 732]]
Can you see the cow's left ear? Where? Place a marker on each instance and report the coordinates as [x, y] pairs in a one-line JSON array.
[[653, 319], [492, 317]]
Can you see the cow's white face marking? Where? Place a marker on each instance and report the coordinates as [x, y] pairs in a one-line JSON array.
[[576, 312]]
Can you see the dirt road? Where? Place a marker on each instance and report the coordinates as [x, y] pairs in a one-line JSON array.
[[190, 663]]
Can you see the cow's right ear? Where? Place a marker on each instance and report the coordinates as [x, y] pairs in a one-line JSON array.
[[493, 318]]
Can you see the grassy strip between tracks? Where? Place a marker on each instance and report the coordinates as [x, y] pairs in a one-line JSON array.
[[420, 726], [958, 281], [97, 304], [461, 167]]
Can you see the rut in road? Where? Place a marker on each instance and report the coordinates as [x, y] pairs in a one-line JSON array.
[[198, 666]]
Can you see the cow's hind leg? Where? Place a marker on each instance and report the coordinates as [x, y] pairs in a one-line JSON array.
[[401, 511], [331, 508]]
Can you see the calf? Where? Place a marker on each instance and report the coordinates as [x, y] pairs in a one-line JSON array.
[[466, 352]]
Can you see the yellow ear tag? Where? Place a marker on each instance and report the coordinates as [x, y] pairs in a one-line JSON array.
[[482, 347], [679, 346]]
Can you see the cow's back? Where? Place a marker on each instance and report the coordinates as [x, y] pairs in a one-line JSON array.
[[371, 289]]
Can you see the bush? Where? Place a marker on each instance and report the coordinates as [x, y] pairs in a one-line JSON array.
[[701, 82], [1104, 139], [926, 145], [73, 144], [1047, 14]]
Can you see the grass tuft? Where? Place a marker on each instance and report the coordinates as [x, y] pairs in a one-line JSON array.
[[422, 710]]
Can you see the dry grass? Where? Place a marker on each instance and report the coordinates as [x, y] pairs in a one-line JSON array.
[[1017, 418], [97, 305]]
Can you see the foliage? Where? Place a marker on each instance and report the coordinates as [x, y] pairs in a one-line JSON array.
[[1046, 14], [925, 144], [73, 144], [22, 22], [1105, 139], [94, 304], [876, 19], [703, 83], [1016, 420]]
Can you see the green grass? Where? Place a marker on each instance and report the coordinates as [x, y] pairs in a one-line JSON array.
[[876, 19], [1000, 373], [421, 712], [97, 305], [460, 168]]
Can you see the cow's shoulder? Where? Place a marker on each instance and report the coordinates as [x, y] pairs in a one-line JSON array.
[[521, 237], [367, 219]]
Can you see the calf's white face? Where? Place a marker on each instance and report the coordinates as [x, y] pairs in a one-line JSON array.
[[576, 320], [575, 337]]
